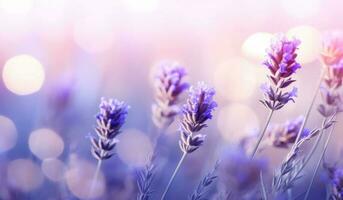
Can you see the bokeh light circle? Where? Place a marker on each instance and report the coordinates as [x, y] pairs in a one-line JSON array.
[[237, 79], [134, 147], [8, 134], [255, 46], [53, 169], [45, 143], [79, 177], [236, 121], [23, 75], [311, 43], [24, 175]]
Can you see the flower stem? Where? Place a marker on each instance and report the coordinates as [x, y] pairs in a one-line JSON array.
[[173, 176], [94, 180], [308, 111], [318, 163], [262, 133], [264, 191]]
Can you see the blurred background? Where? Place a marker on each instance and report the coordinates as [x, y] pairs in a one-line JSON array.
[[59, 57]]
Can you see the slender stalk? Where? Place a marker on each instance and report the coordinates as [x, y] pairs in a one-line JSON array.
[[309, 109], [173, 176], [318, 163], [264, 191], [95, 178], [262, 133]]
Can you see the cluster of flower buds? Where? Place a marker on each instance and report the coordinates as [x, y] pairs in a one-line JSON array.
[[109, 120], [332, 57], [282, 64], [169, 86], [284, 135], [196, 112]]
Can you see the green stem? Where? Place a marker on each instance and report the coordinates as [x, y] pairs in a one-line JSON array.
[[262, 133], [264, 191], [173, 176], [318, 163], [308, 111]]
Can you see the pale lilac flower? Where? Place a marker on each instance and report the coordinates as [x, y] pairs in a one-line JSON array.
[[169, 85], [196, 112], [111, 117], [284, 135], [282, 64], [332, 52]]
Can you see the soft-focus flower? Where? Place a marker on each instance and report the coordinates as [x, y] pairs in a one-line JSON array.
[[335, 176], [169, 86], [282, 64], [332, 52], [333, 77], [110, 119], [196, 112], [239, 172], [283, 135]]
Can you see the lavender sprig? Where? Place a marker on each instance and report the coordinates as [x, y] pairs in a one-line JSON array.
[[196, 112], [169, 85], [281, 63], [110, 119], [201, 190]]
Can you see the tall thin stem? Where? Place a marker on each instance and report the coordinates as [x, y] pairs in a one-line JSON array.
[[309, 109], [262, 133], [264, 191], [318, 163], [173, 176], [95, 178]]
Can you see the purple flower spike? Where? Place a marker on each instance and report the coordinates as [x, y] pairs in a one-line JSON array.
[[169, 86], [111, 117], [196, 112], [282, 64]]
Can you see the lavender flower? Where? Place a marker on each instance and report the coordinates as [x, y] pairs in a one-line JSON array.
[[110, 119], [240, 173], [330, 90], [284, 135], [169, 86], [332, 52], [282, 65], [196, 112]]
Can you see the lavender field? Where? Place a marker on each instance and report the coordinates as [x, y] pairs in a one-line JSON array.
[[171, 100]]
